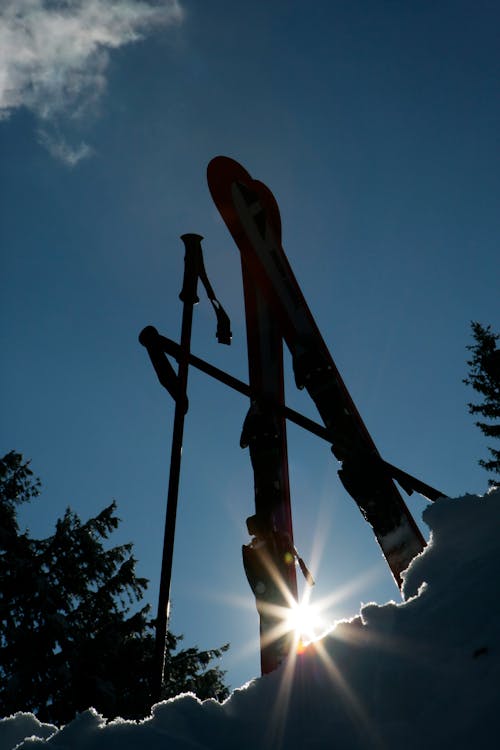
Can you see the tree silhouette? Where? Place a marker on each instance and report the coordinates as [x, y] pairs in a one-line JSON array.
[[69, 635], [484, 377]]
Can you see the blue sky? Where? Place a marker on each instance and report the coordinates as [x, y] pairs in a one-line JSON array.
[[376, 126]]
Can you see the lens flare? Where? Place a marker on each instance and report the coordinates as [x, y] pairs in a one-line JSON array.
[[305, 621]]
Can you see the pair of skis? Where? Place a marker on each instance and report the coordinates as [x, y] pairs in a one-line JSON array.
[[276, 310]]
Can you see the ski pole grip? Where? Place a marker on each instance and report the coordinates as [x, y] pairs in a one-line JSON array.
[[151, 340], [192, 265], [148, 337]]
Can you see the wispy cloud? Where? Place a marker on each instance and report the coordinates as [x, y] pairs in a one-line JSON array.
[[54, 55], [57, 145]]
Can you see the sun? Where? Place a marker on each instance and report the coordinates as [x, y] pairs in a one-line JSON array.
[[304, 620]]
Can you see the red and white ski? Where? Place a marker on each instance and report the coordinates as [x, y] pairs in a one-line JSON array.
[[269, 559], [251, 214]]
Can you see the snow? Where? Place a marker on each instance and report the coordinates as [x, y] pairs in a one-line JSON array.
[[419, 673]]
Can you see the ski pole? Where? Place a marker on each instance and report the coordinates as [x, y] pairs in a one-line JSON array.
[[157, 344], [188, 296]]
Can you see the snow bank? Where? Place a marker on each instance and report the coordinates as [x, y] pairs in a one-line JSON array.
[[420, 673], [14, 729]]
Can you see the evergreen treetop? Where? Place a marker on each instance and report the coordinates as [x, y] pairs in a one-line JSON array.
[[484, 377]]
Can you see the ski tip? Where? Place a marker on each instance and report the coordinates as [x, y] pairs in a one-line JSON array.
[[222, 172], [271, 204], [224, 168]]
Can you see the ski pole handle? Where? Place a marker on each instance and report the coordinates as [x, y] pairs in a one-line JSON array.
[[151, 340], [192, 264]]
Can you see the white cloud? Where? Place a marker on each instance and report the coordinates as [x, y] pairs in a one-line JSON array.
[[59, 148], [54, 53]]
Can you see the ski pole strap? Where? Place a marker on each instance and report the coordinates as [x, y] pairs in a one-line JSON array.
[[305, 570], [223, 333]]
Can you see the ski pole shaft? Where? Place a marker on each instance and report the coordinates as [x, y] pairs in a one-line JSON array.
[[155, 343], [171, 347], [188, 296]]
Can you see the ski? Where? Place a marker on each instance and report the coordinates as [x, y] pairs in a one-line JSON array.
[[252, 216], [269, 559]]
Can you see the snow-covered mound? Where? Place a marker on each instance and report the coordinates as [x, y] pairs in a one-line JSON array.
[[423, 673]]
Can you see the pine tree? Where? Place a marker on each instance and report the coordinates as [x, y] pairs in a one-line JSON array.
[[484, 377], [71, 635]]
